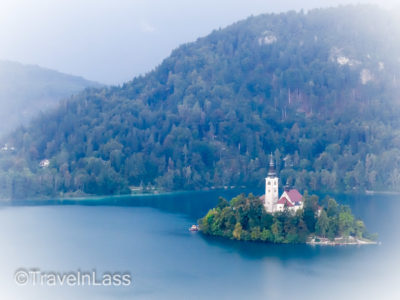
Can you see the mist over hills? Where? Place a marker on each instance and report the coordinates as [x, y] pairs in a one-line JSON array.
[[26, 90], [318, 90]]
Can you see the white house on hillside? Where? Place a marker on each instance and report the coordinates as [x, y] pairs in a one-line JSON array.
[[290, 198]]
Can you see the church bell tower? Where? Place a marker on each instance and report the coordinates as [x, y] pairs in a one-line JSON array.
[[271, 187]]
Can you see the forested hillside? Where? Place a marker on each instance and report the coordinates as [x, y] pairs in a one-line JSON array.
[[318, 89], [26, 90]]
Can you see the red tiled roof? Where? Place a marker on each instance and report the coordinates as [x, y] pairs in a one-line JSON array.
[[282, 200], [295, 196], [285, 202], [288, 204]]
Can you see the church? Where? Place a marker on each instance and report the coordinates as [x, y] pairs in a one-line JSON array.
[[290, 198]]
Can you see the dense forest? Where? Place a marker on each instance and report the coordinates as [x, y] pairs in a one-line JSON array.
[[244, 218], [318, 89]]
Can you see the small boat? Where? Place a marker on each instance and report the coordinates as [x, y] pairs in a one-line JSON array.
[[194, 228]]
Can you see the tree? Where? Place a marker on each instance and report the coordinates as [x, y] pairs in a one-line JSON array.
[[266, 235], [310, 207], [255, 233], [333, 208], [332, 228], [207, 221], [237, 232], [302, 231], [322, 224], [222, 203], [346, 223], [359, 229], [276, 230]]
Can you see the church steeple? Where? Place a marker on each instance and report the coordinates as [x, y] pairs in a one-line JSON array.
[[271, 170], [271, 187]]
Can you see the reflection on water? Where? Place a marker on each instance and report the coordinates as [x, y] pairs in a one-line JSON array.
[[148, 236]]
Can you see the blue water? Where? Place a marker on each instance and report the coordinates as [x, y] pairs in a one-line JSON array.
[[148, 236]]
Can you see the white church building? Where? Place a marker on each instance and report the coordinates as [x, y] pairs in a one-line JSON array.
[[290, 198]]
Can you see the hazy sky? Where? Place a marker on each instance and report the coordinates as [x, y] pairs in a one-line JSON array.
[[111, 41]]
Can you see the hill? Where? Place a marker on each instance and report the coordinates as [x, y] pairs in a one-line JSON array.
[[25, 90], [318, 89]]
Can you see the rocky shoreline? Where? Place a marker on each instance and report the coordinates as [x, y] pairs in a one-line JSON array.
[[340, 241]]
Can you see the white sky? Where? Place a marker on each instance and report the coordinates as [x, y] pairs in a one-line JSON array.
[[112, 41]]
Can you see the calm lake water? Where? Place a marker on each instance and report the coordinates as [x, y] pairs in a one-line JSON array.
[[148, 236]]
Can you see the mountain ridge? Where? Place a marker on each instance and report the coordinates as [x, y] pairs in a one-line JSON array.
[[27, 89], [316, 89]]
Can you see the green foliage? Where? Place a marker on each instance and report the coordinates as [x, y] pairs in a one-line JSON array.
[[333, 230], [222, 203], [276, 230], [333, 208], [266, 236], [237, 232], [244, 218], [322, 225], [310, 209], [359, 229], [346, 222], [322, 97]]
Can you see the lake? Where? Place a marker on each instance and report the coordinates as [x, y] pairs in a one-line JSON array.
[[148, 236]]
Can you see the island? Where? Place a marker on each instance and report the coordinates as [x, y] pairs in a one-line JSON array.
[[291, 218], [245, 219]]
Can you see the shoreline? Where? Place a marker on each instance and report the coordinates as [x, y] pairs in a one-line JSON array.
[[153, 193], [310, 241], [381, 193], [76, 196], [340, 241], [83, 197]]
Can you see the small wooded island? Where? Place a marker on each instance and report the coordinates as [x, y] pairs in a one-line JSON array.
[[292, 218]]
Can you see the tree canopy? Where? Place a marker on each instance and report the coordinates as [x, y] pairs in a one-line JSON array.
[[244, 218], [318, 89]]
